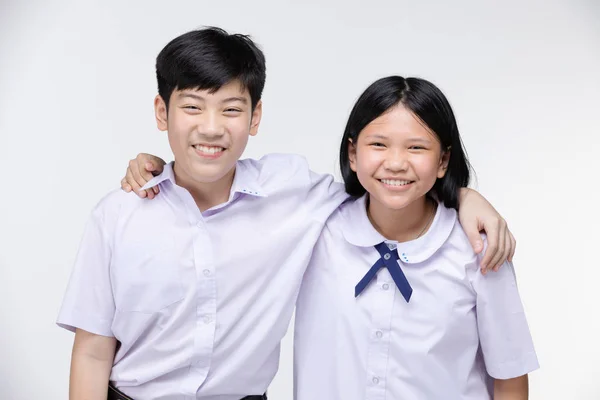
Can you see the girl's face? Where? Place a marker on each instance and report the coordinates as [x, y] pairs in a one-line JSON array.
[[397, 159]]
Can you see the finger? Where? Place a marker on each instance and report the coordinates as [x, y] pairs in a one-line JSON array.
[[146, 171], [134, 185], [492, 231], [137, 173], [501, 254], [156, 189], [150, 193], [505, 252], [152, 163], [474, 238], [508, 245], [149, 165], [125, 186], [513, 246], [131, 181]]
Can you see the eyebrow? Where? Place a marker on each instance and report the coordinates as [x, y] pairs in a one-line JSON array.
[[377, 136], [227, 100], [419, 140]]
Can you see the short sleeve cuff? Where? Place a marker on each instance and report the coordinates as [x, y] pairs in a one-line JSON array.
[[515, 368], [90, 323]]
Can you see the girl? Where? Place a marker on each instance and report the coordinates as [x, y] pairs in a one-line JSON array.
[[393, 305]]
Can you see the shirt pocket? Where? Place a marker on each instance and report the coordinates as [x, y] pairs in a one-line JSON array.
[[147, 279]]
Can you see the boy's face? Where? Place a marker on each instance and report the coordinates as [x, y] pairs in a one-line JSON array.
[[208, 132]]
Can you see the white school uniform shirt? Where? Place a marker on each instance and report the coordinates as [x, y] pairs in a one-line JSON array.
[[199, 301], [458, 329]]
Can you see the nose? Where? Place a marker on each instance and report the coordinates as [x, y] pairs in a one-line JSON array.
[[212, 125], [396, 161]]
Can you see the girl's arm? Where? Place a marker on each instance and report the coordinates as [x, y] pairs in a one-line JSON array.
[[91, 363], [511, 389]]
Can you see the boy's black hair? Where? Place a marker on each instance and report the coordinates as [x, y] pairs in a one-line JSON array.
[[209, 58]]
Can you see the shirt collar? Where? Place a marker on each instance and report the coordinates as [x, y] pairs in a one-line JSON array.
[[245, 180], [358, 230]]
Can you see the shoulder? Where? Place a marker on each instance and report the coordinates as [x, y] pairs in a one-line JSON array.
[[279, 172], [457, 246], [278, 165], [341, 219], [114, 205], [332, 247]]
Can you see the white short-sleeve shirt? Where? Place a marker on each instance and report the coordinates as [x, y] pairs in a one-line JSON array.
[[200, 301], [459, 330]]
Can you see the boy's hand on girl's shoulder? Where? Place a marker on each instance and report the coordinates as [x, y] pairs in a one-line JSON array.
[[140, 170]]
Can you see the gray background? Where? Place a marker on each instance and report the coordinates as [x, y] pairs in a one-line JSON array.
[[76, 90]]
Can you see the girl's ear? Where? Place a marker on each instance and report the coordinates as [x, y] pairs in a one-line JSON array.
[[352, 154], [444, 160]]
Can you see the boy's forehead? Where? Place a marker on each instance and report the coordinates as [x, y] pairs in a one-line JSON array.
[[232, 89]]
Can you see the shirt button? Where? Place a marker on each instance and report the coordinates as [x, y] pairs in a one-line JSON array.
[[379, 334], [199, 225], [385, 286], [375, 380], [207, 319], [386, 256], [206, 272]]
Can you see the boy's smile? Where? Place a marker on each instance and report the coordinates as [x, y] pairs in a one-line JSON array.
[[207, 151]]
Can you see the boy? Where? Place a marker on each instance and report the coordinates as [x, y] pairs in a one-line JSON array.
[[195, 289]]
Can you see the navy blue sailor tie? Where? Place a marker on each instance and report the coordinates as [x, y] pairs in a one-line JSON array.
[[388, 259]]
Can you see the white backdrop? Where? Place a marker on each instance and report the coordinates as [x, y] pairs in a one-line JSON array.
[[76, 90]]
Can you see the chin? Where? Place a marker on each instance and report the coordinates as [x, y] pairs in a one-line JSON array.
[[394, 202], [203, 173], [396, 205], [208, 176]]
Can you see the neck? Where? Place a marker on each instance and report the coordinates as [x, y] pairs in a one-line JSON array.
[[206, 195], [402, 225]]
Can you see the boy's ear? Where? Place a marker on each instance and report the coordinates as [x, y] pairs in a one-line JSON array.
[[352, 154], [256, 116], [160, 112]]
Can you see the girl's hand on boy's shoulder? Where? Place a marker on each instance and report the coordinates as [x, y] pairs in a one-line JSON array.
[[140, 170]]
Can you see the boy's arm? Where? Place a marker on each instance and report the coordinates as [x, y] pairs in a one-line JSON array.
[[511, 389], [91, 363], [476, 214]]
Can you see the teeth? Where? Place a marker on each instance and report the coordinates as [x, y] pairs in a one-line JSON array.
[[209, 150], [393, 182]]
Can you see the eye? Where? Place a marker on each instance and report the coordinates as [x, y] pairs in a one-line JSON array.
[[232, 112], [377, 144], [191, 108], [417, 147]]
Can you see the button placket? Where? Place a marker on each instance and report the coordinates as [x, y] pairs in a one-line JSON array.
[[381, 306], [205, 305]]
